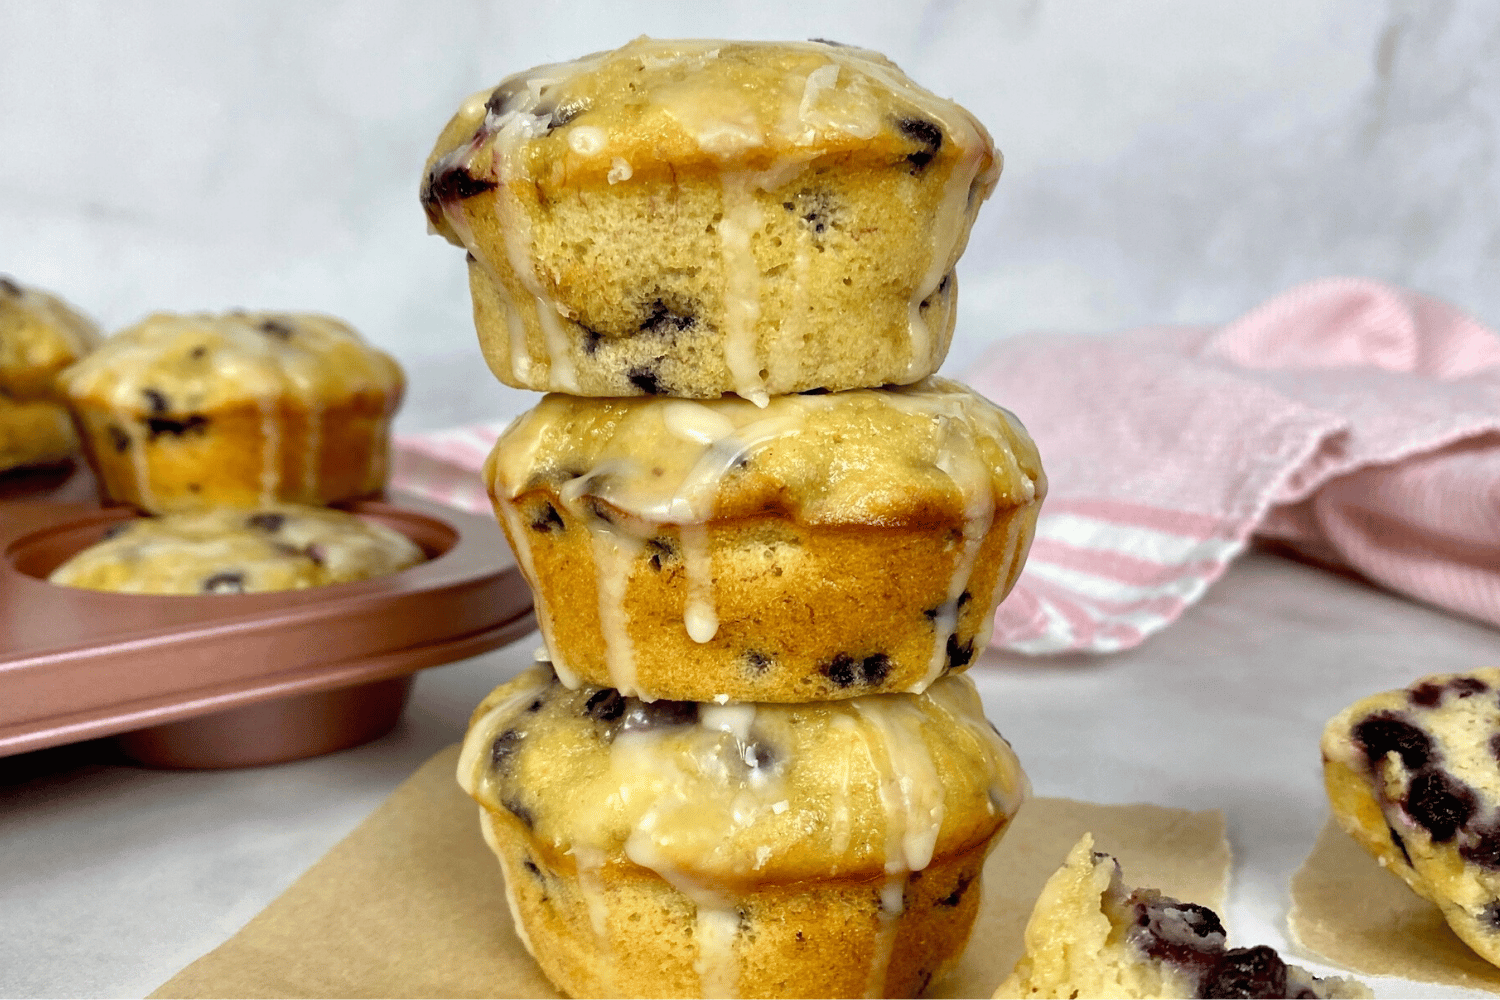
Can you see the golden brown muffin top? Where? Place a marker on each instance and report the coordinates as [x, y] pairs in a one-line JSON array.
[[719, 795], [170, 363], [934, 452], [276, 547], [669, 108], [40, 335]]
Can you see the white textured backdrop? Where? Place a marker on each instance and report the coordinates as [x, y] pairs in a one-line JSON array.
[[1165, 161]]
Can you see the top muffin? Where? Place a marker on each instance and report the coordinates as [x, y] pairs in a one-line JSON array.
[[697, 217], [185, 412]]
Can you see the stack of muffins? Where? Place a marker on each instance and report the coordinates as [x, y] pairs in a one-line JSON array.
[[762, 538], [236, 431]]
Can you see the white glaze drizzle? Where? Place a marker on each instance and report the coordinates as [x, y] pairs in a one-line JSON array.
[[742, 287], [270, 449], [909, 788], [614, 554], [892, 905], [693, 502], [716, 920], [947, 229], [522, 546], [699, 616], [615, 551], [589, 862], [840, 823], [474, 774], [555, 342], [972, 478], [912, 795], [139, 465]]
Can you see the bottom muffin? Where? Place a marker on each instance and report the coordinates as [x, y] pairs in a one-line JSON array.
[[231, 551], [684, 849]]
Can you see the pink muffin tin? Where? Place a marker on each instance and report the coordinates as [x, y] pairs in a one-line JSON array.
[[233, 680]]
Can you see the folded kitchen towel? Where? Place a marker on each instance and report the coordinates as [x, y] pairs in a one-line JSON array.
[[1351, 419], [1356, 421]]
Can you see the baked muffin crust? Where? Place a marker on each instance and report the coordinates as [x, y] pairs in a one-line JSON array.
[[690, 218], [827, 545], [185, 412], [40, 334], [678, 848]]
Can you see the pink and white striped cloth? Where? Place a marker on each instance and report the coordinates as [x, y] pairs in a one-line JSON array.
[[1356, 421]]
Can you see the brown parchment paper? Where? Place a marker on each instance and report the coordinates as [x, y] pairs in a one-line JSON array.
[[1354, 913], [411, 904]]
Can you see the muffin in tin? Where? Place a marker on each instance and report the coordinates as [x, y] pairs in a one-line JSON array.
[[690, 218], [683, 849], [1411, 775], [231, 551], [1090, 935], [826, 546], [40, 335], [190, 412]]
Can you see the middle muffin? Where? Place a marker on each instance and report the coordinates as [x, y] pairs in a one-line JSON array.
[[825, 546]]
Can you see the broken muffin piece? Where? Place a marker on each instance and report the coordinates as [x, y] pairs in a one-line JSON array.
[[1413, 775], [1090, 935]]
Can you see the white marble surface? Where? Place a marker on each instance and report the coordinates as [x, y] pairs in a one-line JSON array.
[[115, 877], [1165, 161]]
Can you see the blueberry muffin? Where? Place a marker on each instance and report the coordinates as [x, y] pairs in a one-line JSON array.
[[690, 218], [34, 433], [231, 551], [189, 412], [1414, 776], [1090, 935], [40, 335], [826, 546], [681, 849]]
